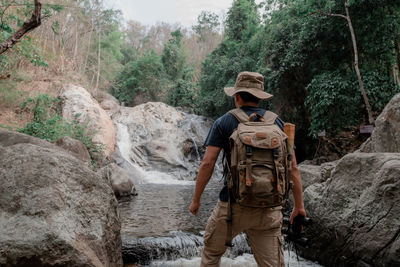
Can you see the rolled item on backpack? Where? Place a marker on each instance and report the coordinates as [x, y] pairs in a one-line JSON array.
[[289, 130]]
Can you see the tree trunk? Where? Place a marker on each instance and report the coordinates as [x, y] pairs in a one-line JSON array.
[[89, 44], [98, 63], [397, 64], [76, 46], [360, 81], [28, 26]]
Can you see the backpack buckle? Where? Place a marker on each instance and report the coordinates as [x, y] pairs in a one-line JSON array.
[[249, 151], [276, 153]]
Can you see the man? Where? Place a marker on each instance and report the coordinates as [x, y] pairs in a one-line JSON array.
[[262, 225]]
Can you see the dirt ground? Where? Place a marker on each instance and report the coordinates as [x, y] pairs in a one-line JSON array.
[[28, 84]]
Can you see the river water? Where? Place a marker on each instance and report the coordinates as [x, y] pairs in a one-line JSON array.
[[158, 229], [159, 148]]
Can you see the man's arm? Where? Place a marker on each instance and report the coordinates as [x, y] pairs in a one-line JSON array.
[[204, 175], [297, 191]]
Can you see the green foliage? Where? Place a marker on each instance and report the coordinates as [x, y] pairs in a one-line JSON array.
[[13, 19], [238, 52], [5, 127], [49, 125], [183, 91], [142, 75], [243, 20], [9, 96], [207, 23], [335, 101], [173, 57]]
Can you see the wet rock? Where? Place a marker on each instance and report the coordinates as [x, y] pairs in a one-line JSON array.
[[79, 104], [159, 138], [74, 147], [355, 211], [178, 245], [121, 183], [386, 135], [54, 210]]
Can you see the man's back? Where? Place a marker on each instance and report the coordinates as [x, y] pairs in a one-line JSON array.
[[223, 128], [262, 225]]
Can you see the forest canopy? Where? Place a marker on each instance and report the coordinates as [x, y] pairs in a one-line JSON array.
[[331, 64]]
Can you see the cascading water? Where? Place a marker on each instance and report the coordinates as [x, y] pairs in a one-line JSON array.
[[159, 147]]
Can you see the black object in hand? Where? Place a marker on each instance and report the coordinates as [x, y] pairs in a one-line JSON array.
[[294, 231]]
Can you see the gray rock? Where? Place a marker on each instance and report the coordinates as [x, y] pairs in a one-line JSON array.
[[78, 104], [158, 138], [356, 212], [8, 138], [386, 135], [110, 104], [310, 174], [74, 147], [54, 210], [121, 183]]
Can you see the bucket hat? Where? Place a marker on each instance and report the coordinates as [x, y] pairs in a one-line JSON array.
[[250, 82]]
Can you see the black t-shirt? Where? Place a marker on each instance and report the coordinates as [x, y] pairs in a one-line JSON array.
[[222, 129]]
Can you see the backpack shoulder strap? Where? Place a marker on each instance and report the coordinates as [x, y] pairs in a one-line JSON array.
[[270, 117], [239, 114]]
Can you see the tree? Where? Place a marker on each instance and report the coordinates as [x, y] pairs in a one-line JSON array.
[[141, 76], [243, 20], [173, 57], [356, 65], [207, 24], [239, 51], [26, 27]]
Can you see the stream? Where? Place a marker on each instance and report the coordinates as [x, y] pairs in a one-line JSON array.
[[158, 229], [159, 147]]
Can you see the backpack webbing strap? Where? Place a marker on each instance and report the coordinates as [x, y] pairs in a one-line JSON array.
[[228, 239], [239, 114], [270, 117], [249, 162]]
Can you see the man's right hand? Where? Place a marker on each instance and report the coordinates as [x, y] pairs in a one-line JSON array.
[[194, 207]]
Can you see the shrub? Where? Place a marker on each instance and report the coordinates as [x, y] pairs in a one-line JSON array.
[[335, 101], [49, 125]]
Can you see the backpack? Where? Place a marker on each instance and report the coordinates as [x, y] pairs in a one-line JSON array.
[[260, 161]]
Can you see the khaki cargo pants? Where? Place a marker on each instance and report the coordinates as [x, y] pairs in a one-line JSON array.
[[262, 226]]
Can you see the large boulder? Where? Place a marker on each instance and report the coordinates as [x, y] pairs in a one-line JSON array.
[[386, 135], [74, 147], [109, 103], [120, 181], [355, 207], [79, 104], [311, 174], [54, 210]]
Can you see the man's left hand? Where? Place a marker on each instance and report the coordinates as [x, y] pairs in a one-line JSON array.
[[194, 207], [295, 212]]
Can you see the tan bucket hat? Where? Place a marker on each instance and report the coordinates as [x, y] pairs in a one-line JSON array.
[[250, 82]]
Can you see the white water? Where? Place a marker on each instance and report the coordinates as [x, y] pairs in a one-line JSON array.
[[245, 260]]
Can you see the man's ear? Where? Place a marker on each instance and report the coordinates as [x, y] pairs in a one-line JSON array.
[[237, 98]]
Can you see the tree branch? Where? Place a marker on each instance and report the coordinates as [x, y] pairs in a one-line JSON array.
[[321, 13], [28, 26], [337, 15]]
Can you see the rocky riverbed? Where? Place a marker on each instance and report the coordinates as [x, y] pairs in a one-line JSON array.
[[55, 210]]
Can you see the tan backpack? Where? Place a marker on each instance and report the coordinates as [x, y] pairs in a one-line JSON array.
[[260, 161]]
